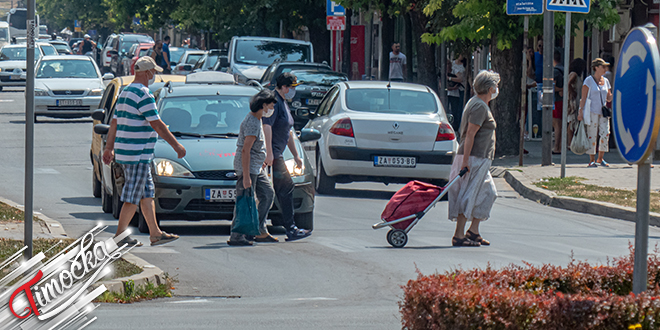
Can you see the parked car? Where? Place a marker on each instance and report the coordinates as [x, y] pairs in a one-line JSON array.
[[382, 132], [250, 56], [175, 54], [61, 46], [5, 36], [136, 51], [119, 50], [13, 62], [205, 118], [110, 202], [67, 86], [208, 61], [278, 67], [313, 85], [187, 61], [106, 57]]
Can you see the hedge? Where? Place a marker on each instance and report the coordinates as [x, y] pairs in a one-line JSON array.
[[578, 296]]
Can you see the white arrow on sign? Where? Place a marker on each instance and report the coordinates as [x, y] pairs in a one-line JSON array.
[[649, 108], [635, 49], [626, 137]]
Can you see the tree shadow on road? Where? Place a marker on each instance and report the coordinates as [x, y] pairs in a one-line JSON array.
[[92, 216]]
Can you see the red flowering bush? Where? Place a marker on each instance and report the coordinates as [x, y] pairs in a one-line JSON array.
[[578, 296]]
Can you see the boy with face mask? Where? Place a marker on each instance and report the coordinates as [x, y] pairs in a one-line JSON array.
[[279, 135], [133, 133]]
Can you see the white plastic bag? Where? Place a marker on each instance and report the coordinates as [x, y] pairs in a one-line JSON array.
[[580, 142]]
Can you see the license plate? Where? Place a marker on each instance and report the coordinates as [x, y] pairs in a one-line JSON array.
[[224, 195], [392, 161], [63, 103], [15, 78], [313, 101]]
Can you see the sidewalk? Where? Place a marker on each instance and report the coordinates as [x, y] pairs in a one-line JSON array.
[[619, 175]]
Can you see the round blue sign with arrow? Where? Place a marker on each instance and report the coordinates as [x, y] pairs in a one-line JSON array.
[[636, 96]]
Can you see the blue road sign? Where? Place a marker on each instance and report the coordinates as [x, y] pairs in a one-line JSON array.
[[76, 23], [335, 9], [636, 96], [524, 7], [573, 6]]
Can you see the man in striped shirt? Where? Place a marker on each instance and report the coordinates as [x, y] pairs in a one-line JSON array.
[[133, 133]]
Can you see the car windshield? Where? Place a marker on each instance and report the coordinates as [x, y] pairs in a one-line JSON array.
[[13, 54], [66, 69], [175, 53], [43, 30], [143, 52], [392, 100], [323, 78], [217, 114], [61, 47], [193, 58], [3, 33], [48, 50], [211, 60], [126, 46], [266, 52]]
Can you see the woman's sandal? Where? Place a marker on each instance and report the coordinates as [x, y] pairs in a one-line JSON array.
[[476, 238], [455, 241]]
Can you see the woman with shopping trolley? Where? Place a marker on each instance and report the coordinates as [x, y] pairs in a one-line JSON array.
[[473, 195]]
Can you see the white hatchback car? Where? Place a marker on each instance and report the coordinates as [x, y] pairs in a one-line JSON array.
[[382, 132]]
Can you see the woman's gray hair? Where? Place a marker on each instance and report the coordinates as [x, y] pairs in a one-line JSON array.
[[485, 80]]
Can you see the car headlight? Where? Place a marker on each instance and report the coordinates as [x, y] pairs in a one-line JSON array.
[[96, 92], [166, 167], [293, 169], [40, 92]]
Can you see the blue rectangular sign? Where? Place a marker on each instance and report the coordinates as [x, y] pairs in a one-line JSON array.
[[573, 6], [524, 7], [335, 9]]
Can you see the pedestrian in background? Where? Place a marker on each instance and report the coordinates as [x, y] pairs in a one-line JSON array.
[[576, 69], [249, 164], [277, 129], [599, 91], [472, 197], [558, 74], [134, 131], [167, 69], [538, 61], [456, 90], [156, 52], [398, 68]]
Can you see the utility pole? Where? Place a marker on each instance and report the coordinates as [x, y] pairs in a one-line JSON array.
[[29, 130], [548, 86]]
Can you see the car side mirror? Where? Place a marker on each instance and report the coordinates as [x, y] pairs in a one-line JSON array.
[[101, 129], [450, 118], [187, 67], [98, 114], [309, 134], [108, 76], [302, 113], [224, 62], [254, 83]]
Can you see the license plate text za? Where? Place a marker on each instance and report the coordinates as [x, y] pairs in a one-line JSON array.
[[391, 161], [61, 103], [228, 194]]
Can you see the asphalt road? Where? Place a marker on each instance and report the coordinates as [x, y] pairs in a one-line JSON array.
[[346, 276]]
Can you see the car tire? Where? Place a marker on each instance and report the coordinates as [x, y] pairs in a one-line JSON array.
[[324, 183], [142, 225], [116, 203], [96, 184], [304, 220], [106, 200]]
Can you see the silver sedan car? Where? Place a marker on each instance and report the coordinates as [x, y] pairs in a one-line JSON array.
[[67, 86], [382, 132]]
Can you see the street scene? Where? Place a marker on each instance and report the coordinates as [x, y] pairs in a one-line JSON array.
[[329, 164]]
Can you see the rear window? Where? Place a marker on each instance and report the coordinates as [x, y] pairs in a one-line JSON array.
[[391, 101]]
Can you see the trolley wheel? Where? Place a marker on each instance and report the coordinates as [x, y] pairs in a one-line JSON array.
[[397, 238]]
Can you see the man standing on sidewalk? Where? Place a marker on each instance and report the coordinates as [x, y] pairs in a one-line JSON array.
[[398, 68], [131, 138]]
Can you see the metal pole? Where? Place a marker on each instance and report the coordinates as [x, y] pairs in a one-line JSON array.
[[548, 86], [642, 226], [523, 96], [443, 75], [29, 130], [332, 53], [564, 115]]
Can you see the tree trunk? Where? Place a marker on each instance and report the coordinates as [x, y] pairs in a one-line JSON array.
[[426, 71], [320, 39], [409, 46], [346, 52], [387, 38], [505, 107]]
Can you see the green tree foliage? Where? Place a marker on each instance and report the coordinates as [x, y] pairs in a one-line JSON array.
[[93, 14]]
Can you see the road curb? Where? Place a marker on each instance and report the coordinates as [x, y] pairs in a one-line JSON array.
[[149, 274], [525, 188]]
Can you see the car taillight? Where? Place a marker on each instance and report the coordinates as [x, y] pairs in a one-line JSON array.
[[343, 127], [108, 54], [445, 133]]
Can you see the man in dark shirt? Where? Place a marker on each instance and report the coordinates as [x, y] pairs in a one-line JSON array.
[[277, 129], [538, 62], [87, 45], [166, 55]]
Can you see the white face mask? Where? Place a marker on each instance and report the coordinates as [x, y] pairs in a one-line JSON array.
[[290, 94], [152, 79], [494, 95], [269, 112]]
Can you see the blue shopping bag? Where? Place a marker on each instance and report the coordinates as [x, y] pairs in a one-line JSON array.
[[246, 219]]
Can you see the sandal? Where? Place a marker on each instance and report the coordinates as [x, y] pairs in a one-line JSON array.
[[604, 163], [455, 241], [477, 238], [163, 238], [593, 164], [267, 239]]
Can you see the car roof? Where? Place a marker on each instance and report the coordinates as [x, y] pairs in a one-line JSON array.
[[57, 42], [67, 57], [206, 90], [285, 63], [275, 39], [195, 51], [376, 84], [125, 80]]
